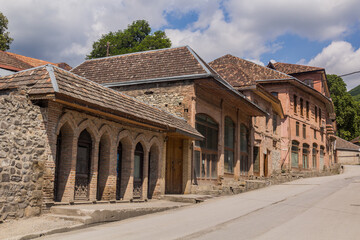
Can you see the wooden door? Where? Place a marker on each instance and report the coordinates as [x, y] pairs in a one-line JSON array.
[[266, 165], [174, 166]]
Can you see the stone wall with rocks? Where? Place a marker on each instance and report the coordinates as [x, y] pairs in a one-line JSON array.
[[23, 142]]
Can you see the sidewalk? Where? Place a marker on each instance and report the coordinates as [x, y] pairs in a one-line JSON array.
[[69, 217]]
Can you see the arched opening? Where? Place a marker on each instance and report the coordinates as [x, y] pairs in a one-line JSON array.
[[305, 156], [138, 170], [295, 154], [63, 162], [83, 163], [103, 167], [153, 170], [314, 156], [118, 171], [205, 151]]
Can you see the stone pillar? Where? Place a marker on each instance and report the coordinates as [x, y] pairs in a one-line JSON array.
[[94, 170]]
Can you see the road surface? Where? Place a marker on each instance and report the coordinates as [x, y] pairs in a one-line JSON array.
[[312, 208]]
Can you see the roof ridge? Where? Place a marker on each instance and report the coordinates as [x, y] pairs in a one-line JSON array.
[[200, 60], [133, 53]]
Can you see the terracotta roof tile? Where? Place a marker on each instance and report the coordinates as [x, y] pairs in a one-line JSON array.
[[289, 68], [162, 63], [239, 72], [343, 144], [39, 81], [12, 63]]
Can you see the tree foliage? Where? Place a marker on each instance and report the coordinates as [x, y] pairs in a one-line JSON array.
[[137, 37], [5, 39], [346, 108]]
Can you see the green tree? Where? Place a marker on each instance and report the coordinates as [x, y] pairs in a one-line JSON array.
[[5, 39], [346, 108], [137, 37]]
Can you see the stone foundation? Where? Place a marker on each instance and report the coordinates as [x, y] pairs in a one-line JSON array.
[[228, 187]]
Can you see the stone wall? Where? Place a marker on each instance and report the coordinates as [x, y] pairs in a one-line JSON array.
[[173, 97], [23, 142]]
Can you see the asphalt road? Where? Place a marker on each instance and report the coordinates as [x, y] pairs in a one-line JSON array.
[[312, 208]]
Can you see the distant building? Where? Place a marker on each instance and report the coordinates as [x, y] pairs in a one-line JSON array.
[[347, 152], [310, 126], [356, 141], [12, 62]]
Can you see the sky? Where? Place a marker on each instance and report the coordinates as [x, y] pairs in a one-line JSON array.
[[322, 33]]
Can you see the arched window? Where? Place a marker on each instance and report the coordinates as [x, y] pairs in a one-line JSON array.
[[229, 138], [322, 154], [314, 156], [244, 150], [205, 154], [305, 155], [295, 154]]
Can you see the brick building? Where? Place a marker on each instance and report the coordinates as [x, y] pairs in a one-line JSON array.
[[309, 127], [179, 81], [266, 130], [65, 138]]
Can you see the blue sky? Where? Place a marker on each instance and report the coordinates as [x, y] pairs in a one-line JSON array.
[[323, 33]]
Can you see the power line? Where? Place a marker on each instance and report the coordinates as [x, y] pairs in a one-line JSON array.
[[347, 74]]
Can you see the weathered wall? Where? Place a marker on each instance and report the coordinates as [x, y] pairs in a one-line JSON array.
[[173, 97], [347, 157], [23, 142]]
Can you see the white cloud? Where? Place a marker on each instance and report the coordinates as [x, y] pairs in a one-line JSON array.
[[339, 58]]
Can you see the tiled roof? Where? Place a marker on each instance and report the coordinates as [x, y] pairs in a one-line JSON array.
[[289, 68], [345, 145], [239, 72], [17, 62], [53, 80], [156, 64], [12, 63]]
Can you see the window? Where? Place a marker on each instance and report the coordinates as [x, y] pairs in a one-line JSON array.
[[274, 122], [295, 103], [320, 116], [309, 82], [205, 154], [307, 109], [304, 131], [275, 94], [314, 134], [316, 111], [301, 107], [314, 156], [256, 160], [297, 129], [322, 154], [295, 154], [229, 145], [244, 150], [305, 155]]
